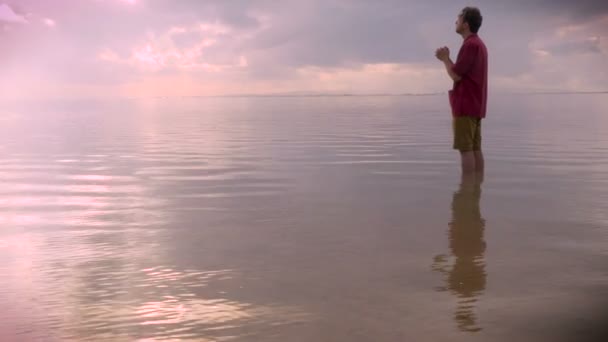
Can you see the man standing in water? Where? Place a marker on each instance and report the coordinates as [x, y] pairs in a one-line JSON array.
[[469, 94]]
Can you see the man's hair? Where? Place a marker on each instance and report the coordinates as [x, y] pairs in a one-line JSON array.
[[472, 16]]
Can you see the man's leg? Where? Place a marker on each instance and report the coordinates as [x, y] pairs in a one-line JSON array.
[[469, 161], [479, 162], [464, 137]]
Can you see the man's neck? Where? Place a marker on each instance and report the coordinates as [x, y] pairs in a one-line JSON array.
[[467, 34]]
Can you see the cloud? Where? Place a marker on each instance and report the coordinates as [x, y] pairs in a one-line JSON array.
[[569, 57], [579, 10], [578, 46], [49, 22], [575, 39], [7, 15], [180, 48], [344, 45]]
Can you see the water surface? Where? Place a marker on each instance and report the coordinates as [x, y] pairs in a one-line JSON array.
[[301, 219]]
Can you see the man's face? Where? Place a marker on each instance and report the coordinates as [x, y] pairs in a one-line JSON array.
[[460, 25]]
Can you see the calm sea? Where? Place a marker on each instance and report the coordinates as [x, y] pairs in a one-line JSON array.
[[302, 219]]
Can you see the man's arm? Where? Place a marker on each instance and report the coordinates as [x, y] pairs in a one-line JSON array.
[[449, 66], [463, 65], [443, 54]]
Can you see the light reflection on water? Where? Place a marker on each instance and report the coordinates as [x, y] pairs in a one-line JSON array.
[[297, 219]]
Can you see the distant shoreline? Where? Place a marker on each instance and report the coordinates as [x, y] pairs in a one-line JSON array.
[[315, 95], [296, 95], [378, 95], [557, 93]]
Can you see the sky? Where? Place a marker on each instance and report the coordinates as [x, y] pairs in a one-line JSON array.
[[133, 48]]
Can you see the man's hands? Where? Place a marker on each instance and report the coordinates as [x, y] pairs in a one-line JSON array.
[[443, 53]]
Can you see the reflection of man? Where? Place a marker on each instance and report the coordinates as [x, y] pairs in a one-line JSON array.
[[467, 277]]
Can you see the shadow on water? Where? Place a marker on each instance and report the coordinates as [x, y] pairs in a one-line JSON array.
[[466, 276]]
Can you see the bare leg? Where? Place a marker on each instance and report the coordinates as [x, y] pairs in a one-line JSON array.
[[479, 162], [468, 162], [476, 177]]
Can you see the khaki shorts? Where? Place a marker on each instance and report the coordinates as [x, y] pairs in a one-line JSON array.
[[467, 133]]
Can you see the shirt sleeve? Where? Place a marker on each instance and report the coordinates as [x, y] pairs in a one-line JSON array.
[[466, 59]]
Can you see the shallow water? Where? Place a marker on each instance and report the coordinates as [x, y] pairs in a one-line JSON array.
[[302, 219]]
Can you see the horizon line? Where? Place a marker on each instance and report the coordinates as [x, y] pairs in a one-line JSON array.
[[556, 92]]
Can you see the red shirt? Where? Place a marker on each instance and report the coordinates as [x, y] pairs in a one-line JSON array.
[[469, 95]]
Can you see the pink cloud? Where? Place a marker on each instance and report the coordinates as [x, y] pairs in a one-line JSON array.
[[163, 52], [9, 16], [109, 56], [49, 22], [561, 57], [573, 39], [220, 47]]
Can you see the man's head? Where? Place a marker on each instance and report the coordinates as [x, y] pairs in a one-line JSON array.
[[469, 20]]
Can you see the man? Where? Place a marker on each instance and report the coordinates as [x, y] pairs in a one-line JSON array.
[[468, 96]]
